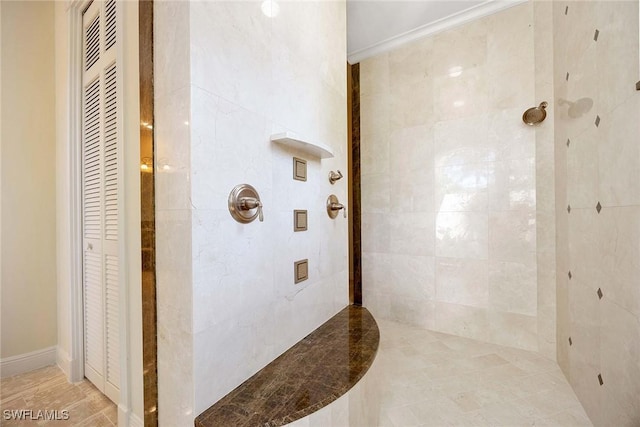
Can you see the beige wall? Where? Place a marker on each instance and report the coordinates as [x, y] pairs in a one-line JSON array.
[[28, 178], [449, 222], [595, 82]]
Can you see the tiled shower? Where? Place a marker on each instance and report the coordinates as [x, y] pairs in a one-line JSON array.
[[478, 225], [449, 181], [473, 223], [597, 135], [227, 78]]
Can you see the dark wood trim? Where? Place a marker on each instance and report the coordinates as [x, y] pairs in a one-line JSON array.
[[147, 206], [354, 178]]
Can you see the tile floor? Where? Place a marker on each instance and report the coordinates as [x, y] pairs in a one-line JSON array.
[[421, 378], [48, 389], [433, 379]]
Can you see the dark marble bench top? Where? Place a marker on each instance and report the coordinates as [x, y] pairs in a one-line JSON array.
[[313, 373]]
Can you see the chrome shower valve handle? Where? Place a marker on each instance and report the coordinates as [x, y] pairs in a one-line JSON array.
[[337, 207], [249, 203], [244, 204], [333, 206], [334, 176]]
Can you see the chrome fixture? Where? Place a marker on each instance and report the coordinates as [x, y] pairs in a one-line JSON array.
[[535, 115], [334, 176], [244, 204], [333, 206]]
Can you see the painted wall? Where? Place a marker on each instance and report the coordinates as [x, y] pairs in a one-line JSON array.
[[449, 220], [227, 304], [598, 161], [28, 178]]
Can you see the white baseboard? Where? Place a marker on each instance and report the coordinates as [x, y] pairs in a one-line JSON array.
[[27, 362]]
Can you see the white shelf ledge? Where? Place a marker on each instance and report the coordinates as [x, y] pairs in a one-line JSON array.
[[291, 140]]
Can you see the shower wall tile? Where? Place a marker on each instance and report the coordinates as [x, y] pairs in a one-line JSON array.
[[510, 139], [511, 50], [616, 70], [545, 184], [413, 192], [464, 47], [406, 268], [600, 165], [412, 151], [411, 104], [618, 154], [582, 169], [512, 287], [241, 284], [462, 188], [245, 77], [585, 364], [512, 329], [410, 311], [412, 233], [301, 36], [249, 160], [173, 42], [463, 96], [583, 80], [374, 154], [462, 235], [174, 316], [620, 346], [174, 294], [461, 177], [578, 37], [377, 273], [520, 226], [462, 281], [408, 65], [376, 232], [585, 251], [375, 111], [456, 141], [217, 67], [375, 193], [374, 75], [512, 185], [462, 320], [619, 243], [173, 159]]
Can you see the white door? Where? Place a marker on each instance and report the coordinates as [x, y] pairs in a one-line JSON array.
[[101, 136]]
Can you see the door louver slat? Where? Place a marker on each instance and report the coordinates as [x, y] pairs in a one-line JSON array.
[[92, 43], [93, 312], [110, 23], [111, 156], [92, 193], [113, 337]]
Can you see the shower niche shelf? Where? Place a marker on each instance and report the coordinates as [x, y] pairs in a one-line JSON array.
[[292, 140]]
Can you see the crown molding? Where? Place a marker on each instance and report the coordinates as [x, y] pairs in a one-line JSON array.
[[476, 12]]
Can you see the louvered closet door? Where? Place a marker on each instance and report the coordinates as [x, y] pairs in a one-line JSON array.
[[101, 197]]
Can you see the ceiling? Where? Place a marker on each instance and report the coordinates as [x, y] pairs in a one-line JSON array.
[[375, 26]]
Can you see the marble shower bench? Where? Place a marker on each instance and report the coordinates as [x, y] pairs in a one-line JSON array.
[[316, 371]]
